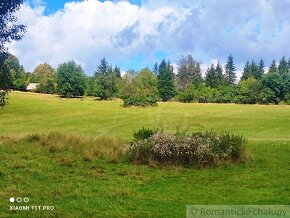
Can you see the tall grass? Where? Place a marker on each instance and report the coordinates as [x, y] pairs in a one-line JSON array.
[[110, 148]]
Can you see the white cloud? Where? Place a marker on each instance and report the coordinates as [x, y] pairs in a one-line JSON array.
[[125, 33], [87, 31]]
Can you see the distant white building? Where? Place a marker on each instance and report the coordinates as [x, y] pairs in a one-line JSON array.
[[32, 86]]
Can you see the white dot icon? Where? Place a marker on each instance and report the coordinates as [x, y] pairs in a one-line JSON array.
[[11, 199]]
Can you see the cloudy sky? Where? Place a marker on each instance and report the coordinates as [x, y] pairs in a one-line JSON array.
[[137, 33]]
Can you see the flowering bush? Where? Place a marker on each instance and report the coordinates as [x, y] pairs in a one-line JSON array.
[[199, 149]]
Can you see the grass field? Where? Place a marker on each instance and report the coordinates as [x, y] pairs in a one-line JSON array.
[[100, 186]]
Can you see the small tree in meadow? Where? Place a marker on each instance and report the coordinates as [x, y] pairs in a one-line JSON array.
[[45, 75], [105, 83], [166, 83], [71, 80], [140, 90]]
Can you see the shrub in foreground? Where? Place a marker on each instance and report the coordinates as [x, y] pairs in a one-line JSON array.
[[144, 133], [199, 149], [3, 98]]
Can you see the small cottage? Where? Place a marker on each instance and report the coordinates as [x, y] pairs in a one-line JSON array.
[[32, 86]]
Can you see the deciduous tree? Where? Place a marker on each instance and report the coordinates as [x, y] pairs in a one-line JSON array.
[[71, 80]]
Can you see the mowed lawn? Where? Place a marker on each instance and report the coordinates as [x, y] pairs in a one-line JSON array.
[[100, 188]]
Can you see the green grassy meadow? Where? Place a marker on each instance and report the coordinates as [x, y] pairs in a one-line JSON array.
[[80, 183]]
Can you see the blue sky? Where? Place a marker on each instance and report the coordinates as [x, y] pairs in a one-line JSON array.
[[135, 34], [51, 6]]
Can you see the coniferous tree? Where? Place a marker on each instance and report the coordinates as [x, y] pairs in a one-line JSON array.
[[166, 84], [273, 67], [155, 69], [283, 67], [261, 69], [211, 77], [220, 76], [247, 71], [105, 81], [230, 69], [117, 72], [255, 71]]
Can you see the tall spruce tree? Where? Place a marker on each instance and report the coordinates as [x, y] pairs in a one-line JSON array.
[[105, 81], [117, 72], [220, 76], [247, 71], [230, 71], [283, 67], [273, 67], [211, 77], [255, 70], [155, 69], [166, 85], [261, 69]]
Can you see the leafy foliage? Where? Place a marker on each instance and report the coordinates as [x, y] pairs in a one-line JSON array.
[[71, 80], [45, 76], [274, 88], [249, 91], [189, 72], [8, 30], [144, 133], [140, 90], [3, 98]]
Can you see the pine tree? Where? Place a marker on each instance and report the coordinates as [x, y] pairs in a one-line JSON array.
[[261, 69], [273, 67], [220, 76], [283, 66], [105, 81], [103, 68], [155, 69], [255, 71], [247, 71], [211, 79], [166, 84], [230, 69], [117, 72]]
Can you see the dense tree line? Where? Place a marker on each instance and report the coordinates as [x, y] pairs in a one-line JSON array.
[[148, 87], [145, 87]]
